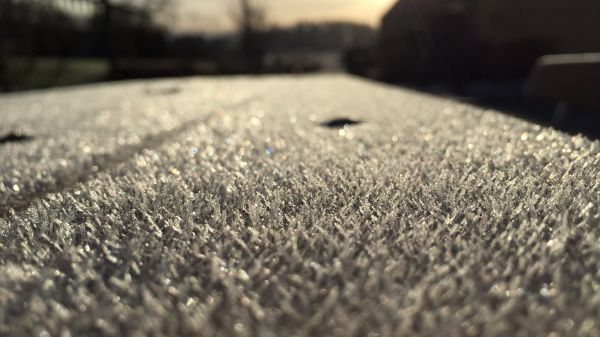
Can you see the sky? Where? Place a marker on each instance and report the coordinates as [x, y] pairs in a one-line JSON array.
[[214, 16]]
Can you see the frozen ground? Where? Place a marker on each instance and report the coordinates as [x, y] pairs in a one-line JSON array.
[[221, 207]]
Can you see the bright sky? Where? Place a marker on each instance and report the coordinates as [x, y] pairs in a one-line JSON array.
[[214, 15]]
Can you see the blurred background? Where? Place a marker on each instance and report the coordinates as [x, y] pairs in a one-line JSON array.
[[535, 58]]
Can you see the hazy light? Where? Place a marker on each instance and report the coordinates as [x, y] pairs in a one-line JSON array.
[[214, 15]]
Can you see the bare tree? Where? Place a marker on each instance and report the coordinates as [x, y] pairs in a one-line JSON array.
[[250, 21]]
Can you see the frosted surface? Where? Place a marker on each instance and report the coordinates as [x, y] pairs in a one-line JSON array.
[[224, 207]]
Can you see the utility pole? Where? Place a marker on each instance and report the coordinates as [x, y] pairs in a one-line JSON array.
[[251, 21], [107, 34]]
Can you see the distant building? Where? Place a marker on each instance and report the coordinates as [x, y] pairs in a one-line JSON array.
[[459, 40]]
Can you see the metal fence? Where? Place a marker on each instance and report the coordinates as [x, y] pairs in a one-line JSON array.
[[39, 37]]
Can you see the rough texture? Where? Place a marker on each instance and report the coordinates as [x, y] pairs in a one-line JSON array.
[[222, 207]]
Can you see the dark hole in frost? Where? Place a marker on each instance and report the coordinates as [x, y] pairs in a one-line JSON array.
[[339, 123], [15, 138]]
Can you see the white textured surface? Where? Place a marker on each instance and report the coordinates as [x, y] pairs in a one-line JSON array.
[[221, 207]]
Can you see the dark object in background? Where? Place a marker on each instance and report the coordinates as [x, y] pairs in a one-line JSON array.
[[292, 63], [571, 83], [460, 40], [361, 61], [573, 79]]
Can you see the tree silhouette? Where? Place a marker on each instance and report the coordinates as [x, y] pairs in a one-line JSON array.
[[250, 21]]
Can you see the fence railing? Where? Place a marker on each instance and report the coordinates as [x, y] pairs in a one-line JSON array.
[[39, 39]]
